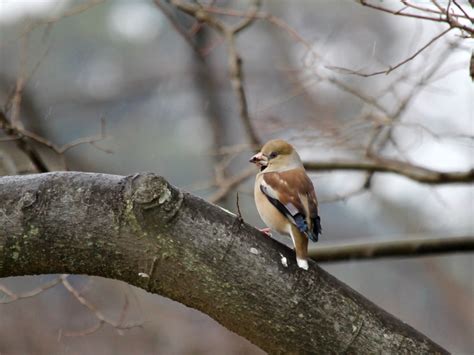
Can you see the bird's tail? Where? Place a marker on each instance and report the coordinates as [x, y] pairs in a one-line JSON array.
[[314, 234]]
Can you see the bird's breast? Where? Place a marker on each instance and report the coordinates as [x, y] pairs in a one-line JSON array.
[[269, 214]]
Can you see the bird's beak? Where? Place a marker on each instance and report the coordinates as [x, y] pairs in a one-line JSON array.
[[259, 159]]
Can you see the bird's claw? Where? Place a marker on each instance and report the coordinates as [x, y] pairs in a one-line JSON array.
[[266, 231]]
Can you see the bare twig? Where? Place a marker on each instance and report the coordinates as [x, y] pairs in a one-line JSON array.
[[15, 297], [396, 66], [12, 126], [9, 139], [64, 148], [344, 197], [463, 11], [237, 78], [274, 20], [23, 144], [234, 59], [230, 183], [20, 83], [177, 26], [471, 66], [442, 15], [98, 314], [79, 333], [237, 204], [53, 19], [24, 140], [63, 279]]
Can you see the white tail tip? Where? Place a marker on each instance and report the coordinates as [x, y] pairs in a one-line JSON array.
[[302, 263]]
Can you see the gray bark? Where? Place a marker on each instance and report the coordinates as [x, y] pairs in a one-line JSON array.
[[195, 253]]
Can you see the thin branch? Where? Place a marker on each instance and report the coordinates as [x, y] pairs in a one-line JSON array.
[[15, 297], [200, 14], [52, 20], [23, 139], [264, 16], [382, 133], [399, 248], [79, 333], [346, 196], [237, 205], [9, 139], [237, 79], [176, 25], [234, 59], [442, 15], [396, 66], [98, 314], [463, 11], [471, 66], [60, 150], [23, 143], [229, 184], [20, 83]]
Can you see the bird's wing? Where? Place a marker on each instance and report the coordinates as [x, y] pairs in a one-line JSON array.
[[292, 193]]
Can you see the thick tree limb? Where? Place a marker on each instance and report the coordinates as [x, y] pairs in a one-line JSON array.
[[398, 248], [143, 231], [408, 170]]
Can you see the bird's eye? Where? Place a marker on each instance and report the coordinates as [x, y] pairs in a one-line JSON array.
[[273, 155]]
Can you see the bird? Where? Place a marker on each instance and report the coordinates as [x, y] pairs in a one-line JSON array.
[[285, 197]]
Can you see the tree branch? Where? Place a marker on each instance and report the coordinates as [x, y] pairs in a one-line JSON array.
[[192, 252], [396, 66], [441, 15], [234, 59], [384, 165], [398, 248], [24, 144], [178, 28], [24, 140], [228, 184]]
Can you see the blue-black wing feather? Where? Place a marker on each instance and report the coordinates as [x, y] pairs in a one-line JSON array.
[[296, 217], [317, 230]]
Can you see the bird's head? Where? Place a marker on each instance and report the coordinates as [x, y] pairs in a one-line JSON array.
[[277, 155]]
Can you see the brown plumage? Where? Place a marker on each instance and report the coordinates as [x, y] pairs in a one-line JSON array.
[[296, 187], [285, 196]]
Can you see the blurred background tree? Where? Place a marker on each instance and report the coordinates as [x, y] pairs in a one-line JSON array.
[[124, 86]]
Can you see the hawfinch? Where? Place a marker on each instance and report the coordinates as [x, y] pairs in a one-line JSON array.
[[285, 196]]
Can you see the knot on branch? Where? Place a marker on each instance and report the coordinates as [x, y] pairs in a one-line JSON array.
[[153, 200], [28, 199]]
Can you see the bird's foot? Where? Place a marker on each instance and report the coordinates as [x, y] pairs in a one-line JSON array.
[[266, 231], [302, 263]]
